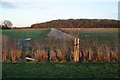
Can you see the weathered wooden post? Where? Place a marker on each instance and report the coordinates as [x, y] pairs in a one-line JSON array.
[[76, 49]]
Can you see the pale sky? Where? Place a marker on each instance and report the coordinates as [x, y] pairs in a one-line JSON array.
[[26, 12]]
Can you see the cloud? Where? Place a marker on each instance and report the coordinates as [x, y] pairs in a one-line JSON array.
[[7, 5], [22, 5], [33, 6]]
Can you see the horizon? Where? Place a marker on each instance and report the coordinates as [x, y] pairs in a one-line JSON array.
[[24, 13]]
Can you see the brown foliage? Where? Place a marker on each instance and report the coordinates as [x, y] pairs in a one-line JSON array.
[[41, 56], [60, 50], [4, 47], [53, 55]]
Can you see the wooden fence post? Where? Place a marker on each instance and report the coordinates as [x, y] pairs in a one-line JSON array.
[[76, 49]]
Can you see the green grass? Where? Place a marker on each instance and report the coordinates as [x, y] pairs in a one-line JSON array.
[[93, 33], [104, 34], [25, 33], [20, 34], [60, 70]]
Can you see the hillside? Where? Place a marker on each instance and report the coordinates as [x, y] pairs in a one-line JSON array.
[[79, 23]]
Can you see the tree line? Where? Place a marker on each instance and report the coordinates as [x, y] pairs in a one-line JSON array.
[[79, 23]]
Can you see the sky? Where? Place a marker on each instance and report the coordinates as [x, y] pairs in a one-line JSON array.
[[23, 13]]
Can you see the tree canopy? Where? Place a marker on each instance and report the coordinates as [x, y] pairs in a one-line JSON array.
[[6, 24], [79, 23]]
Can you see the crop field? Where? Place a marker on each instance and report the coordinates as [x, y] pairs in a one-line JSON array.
[[59, 70]]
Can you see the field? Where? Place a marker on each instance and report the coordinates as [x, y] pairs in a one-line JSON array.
[[60, 70], [37, 33], [53, 51], [93, 33], [26, 33], [110, 34]]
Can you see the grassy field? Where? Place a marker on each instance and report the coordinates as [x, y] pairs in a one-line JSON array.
[[93, 33], [60, 70], [25, 33], [33, 33], [109, 34]]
